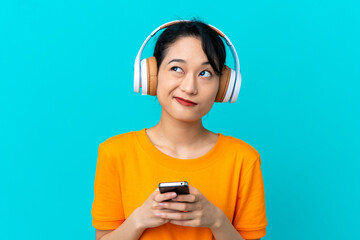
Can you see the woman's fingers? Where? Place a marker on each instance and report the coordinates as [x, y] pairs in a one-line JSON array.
[[194, 196], [188, 223], [167, 211], [180, 206], [193, 190], [160, 197], [186, 198], [176, 215]]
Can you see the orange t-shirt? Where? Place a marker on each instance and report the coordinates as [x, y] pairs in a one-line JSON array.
[[129, 168]]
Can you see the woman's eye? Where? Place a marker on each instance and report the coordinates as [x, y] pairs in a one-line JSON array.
[[176, 69], [205, 74]]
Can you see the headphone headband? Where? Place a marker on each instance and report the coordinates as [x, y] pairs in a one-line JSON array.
[[233, 94]]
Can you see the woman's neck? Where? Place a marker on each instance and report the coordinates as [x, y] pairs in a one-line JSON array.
[[178, 133]]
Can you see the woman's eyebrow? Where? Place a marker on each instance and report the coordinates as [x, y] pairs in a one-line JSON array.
[[183, 61]]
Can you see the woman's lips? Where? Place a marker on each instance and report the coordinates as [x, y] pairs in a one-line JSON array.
[[185, 102]]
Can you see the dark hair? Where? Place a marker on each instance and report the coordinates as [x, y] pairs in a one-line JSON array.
[[212, 43]]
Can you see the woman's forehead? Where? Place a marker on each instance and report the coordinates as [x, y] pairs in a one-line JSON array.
[[187, 49]]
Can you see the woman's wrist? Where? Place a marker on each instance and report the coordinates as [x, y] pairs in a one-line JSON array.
[[220, 218], [223, 229], [135, 221]]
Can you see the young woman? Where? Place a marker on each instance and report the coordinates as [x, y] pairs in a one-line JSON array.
[[226, 199]]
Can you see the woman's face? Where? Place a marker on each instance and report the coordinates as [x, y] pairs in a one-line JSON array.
[[187, 84]]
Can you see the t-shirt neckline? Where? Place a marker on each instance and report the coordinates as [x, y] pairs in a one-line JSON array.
[[177, 163]]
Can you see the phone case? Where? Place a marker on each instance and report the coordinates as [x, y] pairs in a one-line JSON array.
[[178, 187]]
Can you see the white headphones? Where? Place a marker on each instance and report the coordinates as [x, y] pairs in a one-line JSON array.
[[145, 71]]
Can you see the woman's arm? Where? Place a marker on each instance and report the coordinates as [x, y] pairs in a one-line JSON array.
[[194, 210], [140, 219], [128, 230], [223, 229]]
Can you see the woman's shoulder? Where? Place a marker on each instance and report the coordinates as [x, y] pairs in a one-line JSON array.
[[122, 140], [238, 145]]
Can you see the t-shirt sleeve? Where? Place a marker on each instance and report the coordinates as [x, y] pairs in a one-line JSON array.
[[107, 210], [250, 216]]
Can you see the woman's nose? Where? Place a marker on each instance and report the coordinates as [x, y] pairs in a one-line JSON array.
[[188, 84]]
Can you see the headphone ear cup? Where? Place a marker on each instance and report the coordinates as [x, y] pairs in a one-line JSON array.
[[144, 77], [223, 84], [152, 75]]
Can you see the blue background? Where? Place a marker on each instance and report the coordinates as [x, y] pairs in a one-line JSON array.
[[66, 85]]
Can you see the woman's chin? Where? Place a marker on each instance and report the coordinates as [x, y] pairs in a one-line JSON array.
[[188, 118], [183, 115]]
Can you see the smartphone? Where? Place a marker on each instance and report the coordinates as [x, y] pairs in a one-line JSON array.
[[178, 187]]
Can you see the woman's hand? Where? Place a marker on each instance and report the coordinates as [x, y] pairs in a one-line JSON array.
[[145, 215], [192, 210]]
